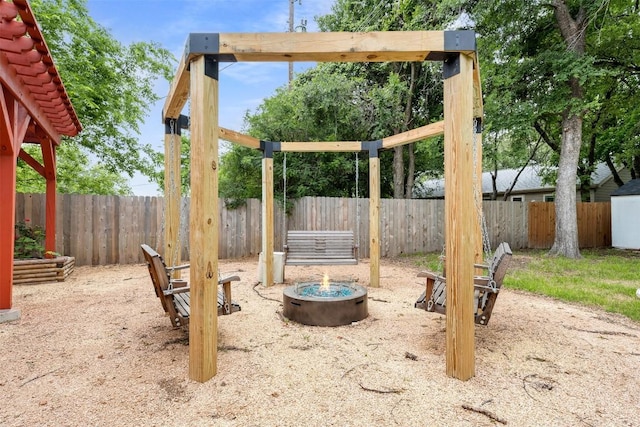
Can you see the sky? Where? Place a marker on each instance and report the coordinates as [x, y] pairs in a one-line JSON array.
[[242, 87]]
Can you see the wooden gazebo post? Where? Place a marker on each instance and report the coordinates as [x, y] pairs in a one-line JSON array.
[[459, 202]]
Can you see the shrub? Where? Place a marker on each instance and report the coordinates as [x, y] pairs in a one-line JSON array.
[[29, 241]]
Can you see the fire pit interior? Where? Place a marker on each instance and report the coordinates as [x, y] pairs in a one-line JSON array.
[[325, 303]]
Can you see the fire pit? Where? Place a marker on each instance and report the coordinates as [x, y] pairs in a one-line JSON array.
[[326, 303]]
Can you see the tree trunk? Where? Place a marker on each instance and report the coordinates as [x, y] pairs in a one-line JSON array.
[[398, 173], [566, 239], [411, 170]]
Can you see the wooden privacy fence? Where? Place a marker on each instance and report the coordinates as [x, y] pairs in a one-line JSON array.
[[594, 224], [100, 230]]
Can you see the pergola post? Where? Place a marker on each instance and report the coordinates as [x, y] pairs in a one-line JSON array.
[[460, 211], [374, 217], [172, 191], [267, 214], [204, 219]]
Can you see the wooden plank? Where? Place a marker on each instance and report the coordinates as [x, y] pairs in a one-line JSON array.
[[413, 135], [333, 47], [238, 138], [204, 223], [178, 92], [459, 220], [374, 221], [321, 146]]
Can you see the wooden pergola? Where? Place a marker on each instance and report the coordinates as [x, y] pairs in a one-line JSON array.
[[35, 109], [197, 79]]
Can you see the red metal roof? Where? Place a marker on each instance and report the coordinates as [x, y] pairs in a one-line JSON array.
[[31, 72]]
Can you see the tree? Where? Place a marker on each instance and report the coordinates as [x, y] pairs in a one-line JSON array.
[[110, 85], [411, 93], [71, 179], [317, 106], [541, 65]]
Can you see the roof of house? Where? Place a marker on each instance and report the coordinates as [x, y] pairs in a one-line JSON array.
[[631, 188], [530, 180], [28, 71]]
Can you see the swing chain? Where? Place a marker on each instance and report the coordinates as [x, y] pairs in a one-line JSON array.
[[486, 241]]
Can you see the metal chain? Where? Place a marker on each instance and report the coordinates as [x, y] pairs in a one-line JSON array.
[[486, 243], [357, 203], [284, 201]]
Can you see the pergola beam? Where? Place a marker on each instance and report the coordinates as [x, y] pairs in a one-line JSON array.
[[413, 135], [239, 138], [178, 92], [318, 147]]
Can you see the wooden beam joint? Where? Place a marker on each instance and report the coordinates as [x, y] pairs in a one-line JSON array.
[[268, 148], [373, 147]]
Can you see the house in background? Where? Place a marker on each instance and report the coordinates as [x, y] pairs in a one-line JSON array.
[[529, 187]]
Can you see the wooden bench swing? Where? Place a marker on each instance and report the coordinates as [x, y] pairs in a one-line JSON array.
[[319, 247], [175, 294], [486, 288]]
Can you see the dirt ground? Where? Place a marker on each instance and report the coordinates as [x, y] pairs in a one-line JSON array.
[[97, 350]]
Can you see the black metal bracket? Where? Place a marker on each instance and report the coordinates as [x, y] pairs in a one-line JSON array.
[[182, 122], [460, 40], [268, 148], [478, 123], [455, 41], [373, 147], [206, 44], [451, 65], [211, 66]]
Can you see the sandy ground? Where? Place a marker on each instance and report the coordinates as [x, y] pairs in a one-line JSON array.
[[97, 350]]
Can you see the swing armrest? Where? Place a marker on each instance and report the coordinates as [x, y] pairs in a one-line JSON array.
[[431, 275], [173, 268]]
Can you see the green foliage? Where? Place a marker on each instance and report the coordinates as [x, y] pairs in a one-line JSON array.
[[75, 175], [29, 241], [526, 67], [316, 107], [185, 167], [110, 85]]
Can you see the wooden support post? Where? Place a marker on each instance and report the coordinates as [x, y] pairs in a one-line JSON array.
[[7, 224], [460, 215], [374, 218], [267, 215], [172, 193], [49, 160], [204, 220]]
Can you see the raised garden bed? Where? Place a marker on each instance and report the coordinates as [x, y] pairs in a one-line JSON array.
[[30, 271]]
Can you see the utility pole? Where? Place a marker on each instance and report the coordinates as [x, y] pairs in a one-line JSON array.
[[291, 2]]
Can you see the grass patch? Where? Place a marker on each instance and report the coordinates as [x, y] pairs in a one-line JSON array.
[[605, 278]]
